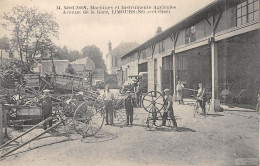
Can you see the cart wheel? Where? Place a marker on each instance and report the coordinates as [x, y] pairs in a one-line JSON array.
[[88, 119], [152, 98], [148, 124]]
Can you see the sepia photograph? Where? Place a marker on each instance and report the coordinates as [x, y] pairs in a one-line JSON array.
[[129, 82]]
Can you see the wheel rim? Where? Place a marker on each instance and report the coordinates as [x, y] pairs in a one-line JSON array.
[[88, 120], [150, 98]]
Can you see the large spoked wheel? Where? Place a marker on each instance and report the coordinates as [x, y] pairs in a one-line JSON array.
[[153, 99], [88, 119]]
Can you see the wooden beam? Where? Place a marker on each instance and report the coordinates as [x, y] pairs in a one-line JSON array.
[[216, 23], [172, 37], [237, 31], [153, 48], [208, 22], [176, 38]]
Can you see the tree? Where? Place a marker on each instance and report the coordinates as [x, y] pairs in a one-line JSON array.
[[32, 31], [4, 43], [74, 55], [94, 53]]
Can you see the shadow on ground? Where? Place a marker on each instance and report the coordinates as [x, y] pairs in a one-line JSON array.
[[101, 136], [185, 129], [238, 111], [214, 115], [36, 147]]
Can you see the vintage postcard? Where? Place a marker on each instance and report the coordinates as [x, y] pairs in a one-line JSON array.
[[129, 82]]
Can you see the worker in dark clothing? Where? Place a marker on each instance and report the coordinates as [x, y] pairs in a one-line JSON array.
[[46, 105], [128, 103], [139, 90], [168, 109]]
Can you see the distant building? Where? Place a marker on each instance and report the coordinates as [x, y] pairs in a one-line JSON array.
[[83, 65], [6, 56], [60, 66], [113, 58]]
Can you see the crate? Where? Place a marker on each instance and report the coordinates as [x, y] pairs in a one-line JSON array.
[[26, 112]]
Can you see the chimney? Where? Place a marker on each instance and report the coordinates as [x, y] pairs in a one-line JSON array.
[[159, 30], [109, 46]]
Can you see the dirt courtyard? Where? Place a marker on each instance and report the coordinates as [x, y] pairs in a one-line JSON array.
[[230, 137]]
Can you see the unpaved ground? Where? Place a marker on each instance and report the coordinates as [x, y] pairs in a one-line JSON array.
[[224, 138]]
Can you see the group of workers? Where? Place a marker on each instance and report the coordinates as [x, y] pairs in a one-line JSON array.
[[129, 103], [109, 101]]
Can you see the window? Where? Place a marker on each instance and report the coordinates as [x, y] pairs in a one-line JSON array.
[[182, 63], [247, 11], [116, 62], [167, 63], [190, 35], [162, 46]]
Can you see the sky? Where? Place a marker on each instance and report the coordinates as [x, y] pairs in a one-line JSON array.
[[79, 30]]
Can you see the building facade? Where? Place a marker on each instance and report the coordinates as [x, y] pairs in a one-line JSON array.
[[217, 45], [113, 58], [60, 66], [82, 65]]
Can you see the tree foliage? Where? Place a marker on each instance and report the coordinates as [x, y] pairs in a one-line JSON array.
[[12, 72], [94, 53], [5, 43], [32, 31]]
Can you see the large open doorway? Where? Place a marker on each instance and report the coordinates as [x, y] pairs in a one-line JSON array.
[[167, 73]]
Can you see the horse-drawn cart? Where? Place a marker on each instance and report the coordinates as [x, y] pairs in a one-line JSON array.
[[75, 103]]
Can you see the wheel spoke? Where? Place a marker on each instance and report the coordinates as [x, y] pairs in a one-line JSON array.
[[147, 100], [157, 98], [159, 103], [148, 105]]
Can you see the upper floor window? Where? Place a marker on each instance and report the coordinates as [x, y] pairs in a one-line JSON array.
[[247, 11], [116, 62], [162, 46], [190, 35]]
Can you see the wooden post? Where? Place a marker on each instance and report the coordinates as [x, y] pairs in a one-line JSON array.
[[214, 69], [174, 72], [1, 125]]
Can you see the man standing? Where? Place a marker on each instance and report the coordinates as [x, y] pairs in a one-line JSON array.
[[168, 109], [109, 106], [179, 89], [139, 94], [128, 103], [201, 98], [46, 105]]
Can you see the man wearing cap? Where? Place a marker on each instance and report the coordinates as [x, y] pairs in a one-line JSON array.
[[128, 103], [109, 106], [201, 98], [168, 109], [139, 94], [46, 105]]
